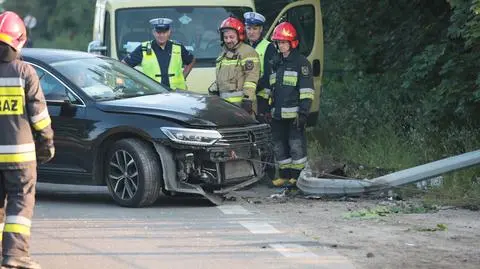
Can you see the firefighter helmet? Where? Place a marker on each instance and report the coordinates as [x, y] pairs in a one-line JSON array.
[[285, 32], [234, 24], [12, 30]]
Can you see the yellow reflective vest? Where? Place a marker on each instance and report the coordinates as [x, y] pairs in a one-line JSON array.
[[261, 49], [152, 69]]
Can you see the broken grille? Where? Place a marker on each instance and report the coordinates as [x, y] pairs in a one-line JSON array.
[[245, 135]]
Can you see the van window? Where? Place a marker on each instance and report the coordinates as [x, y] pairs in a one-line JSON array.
[[271, 9], [303, 18], [194, 27], [106, 35]]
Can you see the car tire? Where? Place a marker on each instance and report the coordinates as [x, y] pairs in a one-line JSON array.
[[133, 173]]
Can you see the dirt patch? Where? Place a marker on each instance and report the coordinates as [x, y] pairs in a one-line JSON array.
[[379, 233]]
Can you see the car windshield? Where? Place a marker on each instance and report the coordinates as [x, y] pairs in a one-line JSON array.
[[194, 27], [107, 79]]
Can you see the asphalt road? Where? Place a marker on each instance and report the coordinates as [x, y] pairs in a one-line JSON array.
[[80, 227]]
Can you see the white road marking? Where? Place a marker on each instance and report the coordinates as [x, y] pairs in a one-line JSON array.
[[259, 227], [233, 210], [293, 251]]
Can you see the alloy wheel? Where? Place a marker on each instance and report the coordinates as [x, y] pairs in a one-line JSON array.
[[123, 175]]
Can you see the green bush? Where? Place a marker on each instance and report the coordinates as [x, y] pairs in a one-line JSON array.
[[401, 86]]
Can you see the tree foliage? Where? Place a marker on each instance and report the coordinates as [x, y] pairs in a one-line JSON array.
[[411, 63], [61, 23]]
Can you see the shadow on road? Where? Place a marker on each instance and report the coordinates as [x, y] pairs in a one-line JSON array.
[[92, 195]]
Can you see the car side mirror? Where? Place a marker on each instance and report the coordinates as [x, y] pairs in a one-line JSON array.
[[96, 47]]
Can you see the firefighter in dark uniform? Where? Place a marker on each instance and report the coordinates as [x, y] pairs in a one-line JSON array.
[[254, 23], [292, 87], [162, 59], [22, 110]]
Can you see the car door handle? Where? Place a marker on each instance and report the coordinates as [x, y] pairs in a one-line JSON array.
[[316, 68]]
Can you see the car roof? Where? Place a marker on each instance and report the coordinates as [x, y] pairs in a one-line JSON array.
[[49, 56]]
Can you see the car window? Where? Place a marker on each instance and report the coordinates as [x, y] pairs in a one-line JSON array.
[[106, 79], [53, 89]]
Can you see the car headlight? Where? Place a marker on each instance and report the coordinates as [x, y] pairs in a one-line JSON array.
[[194, 137]]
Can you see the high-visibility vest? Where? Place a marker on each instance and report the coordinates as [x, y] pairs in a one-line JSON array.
[[152, 69], [261, 49]]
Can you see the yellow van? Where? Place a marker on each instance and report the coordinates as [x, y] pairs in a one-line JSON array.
[[121, 25]]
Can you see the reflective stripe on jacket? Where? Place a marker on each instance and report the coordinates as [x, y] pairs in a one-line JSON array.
[[238, 71], [22, 110], [292, 86]]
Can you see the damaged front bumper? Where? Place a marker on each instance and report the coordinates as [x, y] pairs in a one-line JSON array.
[[234, 162]]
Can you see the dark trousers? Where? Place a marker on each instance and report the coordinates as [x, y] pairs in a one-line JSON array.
[[17, 189], [290, 147]]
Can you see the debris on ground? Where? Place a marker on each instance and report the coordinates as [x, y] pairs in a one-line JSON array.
[[277, 195], [385, 208], [440, 227]]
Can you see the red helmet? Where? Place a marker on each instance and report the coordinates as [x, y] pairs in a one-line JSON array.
[[285, 32], [12, 30], [234, 24]]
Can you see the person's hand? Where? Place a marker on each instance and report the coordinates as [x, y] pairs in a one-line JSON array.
[[300, 121], [213, 89], [264, 118], [268, 117], [45, 151], [247, 105]]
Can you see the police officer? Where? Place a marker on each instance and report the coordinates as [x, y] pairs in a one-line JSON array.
[[254, 28], [162, 59], [22, 108], [292, 87], [237, 67]]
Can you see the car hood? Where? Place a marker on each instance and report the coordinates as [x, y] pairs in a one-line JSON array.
[[191, 109]]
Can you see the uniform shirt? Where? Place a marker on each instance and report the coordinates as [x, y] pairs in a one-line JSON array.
[[269, 55], [163, 56]]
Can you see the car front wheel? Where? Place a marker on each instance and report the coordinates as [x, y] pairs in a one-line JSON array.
[[133, 174]]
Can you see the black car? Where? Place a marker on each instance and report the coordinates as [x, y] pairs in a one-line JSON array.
[[115, 126]]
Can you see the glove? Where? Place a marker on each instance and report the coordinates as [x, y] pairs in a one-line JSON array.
[[268, 117], [45, 151], [213, 89], [247, 105], [265, 118], [300, 121], [262, 118]]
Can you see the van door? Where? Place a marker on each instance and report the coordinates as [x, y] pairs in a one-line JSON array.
[[306, 16], [101, 26]]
